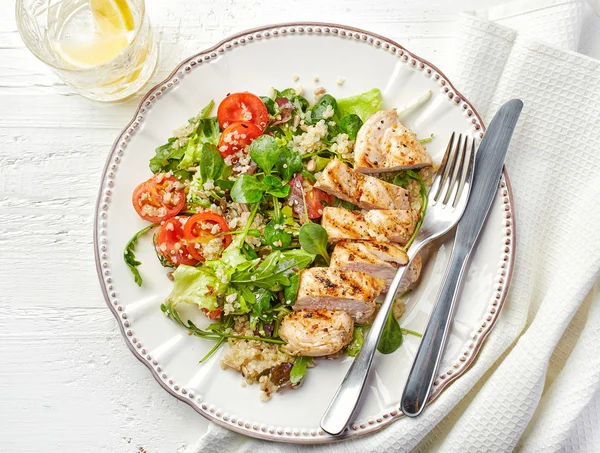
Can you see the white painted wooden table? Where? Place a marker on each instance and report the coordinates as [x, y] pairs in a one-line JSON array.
[[68, 382]]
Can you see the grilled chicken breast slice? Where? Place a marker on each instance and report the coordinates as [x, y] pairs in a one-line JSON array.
[[316, 333], [379, 259], [350, 291], [364, 191], [396, 225], [384, 144]]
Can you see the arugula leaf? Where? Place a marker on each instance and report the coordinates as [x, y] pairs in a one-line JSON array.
[[351, 124], [391, 337], [402, 180], [363, 105], [129, 256], [299, 369], [315, 113], [247, 189], [211, 163], [313, 238], [264, 152], [167, 158], [290, 292], [208, 130], [358, 338], [274, 272], [288, 163]]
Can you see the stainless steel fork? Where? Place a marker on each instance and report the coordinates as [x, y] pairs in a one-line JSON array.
[[447, 200]]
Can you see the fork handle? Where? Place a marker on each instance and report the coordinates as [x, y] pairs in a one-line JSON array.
[[431, 349], [345, 401]]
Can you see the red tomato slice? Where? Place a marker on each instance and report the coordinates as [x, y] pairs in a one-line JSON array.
[[312, 197], [171, 244], [314, 207], [236, 137], [159, 198], [195, 235], [242, 107]]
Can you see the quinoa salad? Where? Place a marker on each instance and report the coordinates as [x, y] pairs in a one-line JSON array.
[[282, 221]]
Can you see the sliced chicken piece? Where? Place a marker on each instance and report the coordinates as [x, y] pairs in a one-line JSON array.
[[364, 191], [383, 144], [350, 291], [316, 333], [395, 225], [379, 259]]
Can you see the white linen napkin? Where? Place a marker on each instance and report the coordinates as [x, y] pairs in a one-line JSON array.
[[536, 383]]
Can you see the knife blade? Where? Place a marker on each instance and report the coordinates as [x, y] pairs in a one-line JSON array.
[[489, 161]]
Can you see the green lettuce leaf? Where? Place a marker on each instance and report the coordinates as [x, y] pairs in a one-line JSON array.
[[195, 285], [363, 105]]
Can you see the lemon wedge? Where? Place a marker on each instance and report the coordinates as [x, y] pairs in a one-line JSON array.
[[115, 14]]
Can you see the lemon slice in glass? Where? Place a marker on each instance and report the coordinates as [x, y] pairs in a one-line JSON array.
[[113, 13]]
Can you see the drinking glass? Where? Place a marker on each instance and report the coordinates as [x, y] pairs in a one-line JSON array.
[[101, 60]]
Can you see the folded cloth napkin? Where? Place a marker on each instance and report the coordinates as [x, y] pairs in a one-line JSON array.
[[536, 383]]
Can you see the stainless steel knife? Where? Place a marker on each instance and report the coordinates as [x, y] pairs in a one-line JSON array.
[[489, 161]]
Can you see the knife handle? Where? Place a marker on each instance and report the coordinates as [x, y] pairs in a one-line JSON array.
[[431, 349]]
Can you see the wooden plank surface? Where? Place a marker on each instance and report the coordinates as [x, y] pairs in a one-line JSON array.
[[69, 383]]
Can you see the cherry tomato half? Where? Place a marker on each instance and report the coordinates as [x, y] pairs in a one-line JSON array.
[[159, 198], [171, 244], [236, 137], [195, 235], [242, 107], [312, 197], [314, 207]]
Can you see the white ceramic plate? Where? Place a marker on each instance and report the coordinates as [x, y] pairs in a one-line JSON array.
[[255, 61]]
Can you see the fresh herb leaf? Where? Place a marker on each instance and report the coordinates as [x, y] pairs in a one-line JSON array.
[[313, 239], [288, 163], [269, 104], [326, 103], [211, 163], [276, 187], [351, 124], [275, 237], [358, 338], [208, 130], [308, 175], [299, 369], [265, 152], [247, 189], [129, 255], [224, 184], [167, 158], [321, 162], [290, 292], [274, 272], [391, 337]]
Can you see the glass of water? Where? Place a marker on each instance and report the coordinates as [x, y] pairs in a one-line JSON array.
[[104, 49]]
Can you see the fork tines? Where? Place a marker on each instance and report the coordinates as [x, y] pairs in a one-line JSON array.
[[454, 171]]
